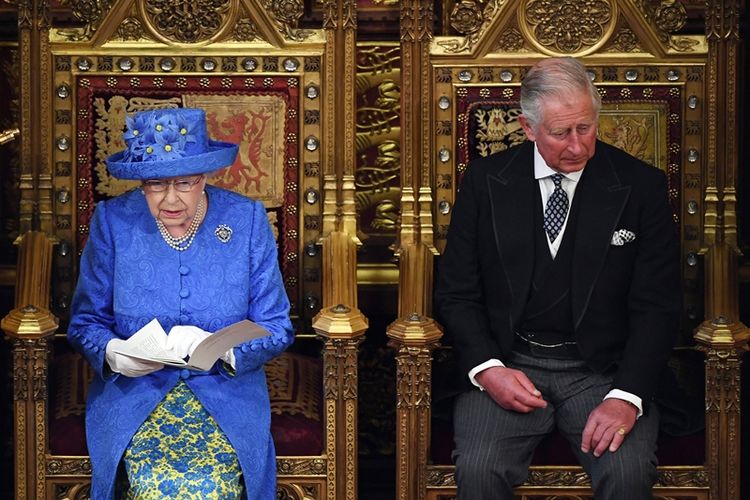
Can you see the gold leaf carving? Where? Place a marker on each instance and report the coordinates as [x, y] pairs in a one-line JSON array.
[[569, 26], [625, 41], [245, 30], [187, 21], [91, 12], [488, 11], [287, 14], [130, 29], [300, 466], [682, 44], [467, 17], [670, 16], [511, 40]]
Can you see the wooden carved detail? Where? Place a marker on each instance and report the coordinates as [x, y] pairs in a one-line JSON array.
[[78, 491], [558, 478], [187, 21], [297, 491], [20, 448], [722, 382], [245, 30], [470, 18], [308, 466], [59, 466], [330, 15], [625, 41], [24, 14], [39, 359], [414, 376], [444, 477], [467, 17], [511, 40], [340, 391], [670, 16], [417, 18], [568, 27], [130, 29], [340, 361], [90, 12], [349, 17], [683, 479], [20, 370], [287, 14]]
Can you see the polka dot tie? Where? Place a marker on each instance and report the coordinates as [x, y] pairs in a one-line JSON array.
[[557, 208]]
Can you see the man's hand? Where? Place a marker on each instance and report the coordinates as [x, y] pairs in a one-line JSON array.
[[607, 426], [511, 389]]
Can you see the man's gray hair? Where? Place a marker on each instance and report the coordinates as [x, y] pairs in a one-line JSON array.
[[554, 78]]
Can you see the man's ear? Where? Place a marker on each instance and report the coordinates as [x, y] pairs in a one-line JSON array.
[[527, 128]]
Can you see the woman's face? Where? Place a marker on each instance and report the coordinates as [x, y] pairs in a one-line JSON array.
[[174, 200]]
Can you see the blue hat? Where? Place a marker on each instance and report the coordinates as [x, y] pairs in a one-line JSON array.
[[169, 143]]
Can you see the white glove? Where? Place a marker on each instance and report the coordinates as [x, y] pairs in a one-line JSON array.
[[126, 365], [228, 358], [183, 339]]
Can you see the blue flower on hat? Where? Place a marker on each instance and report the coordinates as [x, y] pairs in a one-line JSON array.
[[187, 126], [169, 144], [136, 135]]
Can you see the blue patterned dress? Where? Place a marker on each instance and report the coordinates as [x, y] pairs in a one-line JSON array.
[[128, 276]]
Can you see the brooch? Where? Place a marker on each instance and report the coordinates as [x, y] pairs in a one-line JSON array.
[[223, 232]]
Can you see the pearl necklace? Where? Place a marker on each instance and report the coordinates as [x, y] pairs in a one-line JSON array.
[[183, 242]]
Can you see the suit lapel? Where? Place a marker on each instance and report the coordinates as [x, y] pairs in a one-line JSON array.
[[601, 199], [512, 194]]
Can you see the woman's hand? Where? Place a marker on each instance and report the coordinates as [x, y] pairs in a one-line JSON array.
[[183, 339], [126, 365]]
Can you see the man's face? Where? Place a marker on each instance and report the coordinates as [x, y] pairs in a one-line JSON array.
[[566, 136]]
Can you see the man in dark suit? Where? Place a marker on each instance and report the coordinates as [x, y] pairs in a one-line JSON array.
[[560, 293]]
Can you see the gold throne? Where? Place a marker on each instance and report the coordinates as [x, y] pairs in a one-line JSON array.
[[267, 84], [669, 98]]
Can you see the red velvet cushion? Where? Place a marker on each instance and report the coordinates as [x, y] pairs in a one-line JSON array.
[[555, 450], [295, 386]]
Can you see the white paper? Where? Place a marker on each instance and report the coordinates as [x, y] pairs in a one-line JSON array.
[[150, 344]]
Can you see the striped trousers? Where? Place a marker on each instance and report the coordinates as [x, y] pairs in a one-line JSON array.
[[494, 446]]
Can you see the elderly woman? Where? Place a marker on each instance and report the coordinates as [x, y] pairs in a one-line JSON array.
[[196, 258]]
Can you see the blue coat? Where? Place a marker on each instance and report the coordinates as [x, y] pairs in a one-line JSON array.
[[128, 276]]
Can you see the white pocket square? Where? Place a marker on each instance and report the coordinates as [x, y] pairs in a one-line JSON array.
[[622, 236]]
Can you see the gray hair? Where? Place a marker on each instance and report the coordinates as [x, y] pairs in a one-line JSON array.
[[554, 77]]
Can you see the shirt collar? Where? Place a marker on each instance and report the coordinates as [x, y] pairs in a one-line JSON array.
[[542, 170]]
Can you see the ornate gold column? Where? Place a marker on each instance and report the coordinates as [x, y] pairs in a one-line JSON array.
[[414, 338], [722, 336], [342, 330], [339, 323], [36, 190], [29, 326], [414, 334]]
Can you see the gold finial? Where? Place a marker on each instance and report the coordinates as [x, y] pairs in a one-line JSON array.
[[8, 135]]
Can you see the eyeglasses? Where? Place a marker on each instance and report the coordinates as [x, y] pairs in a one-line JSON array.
[[181, 185]]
